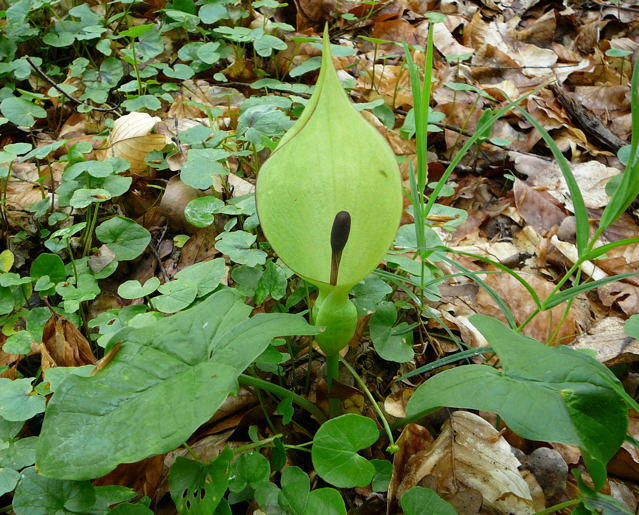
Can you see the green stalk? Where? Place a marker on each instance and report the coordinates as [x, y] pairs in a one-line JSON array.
[[283, 393], [91, 227], [557, 507], [136, 67], [332, 374], [392, 446], [255, 445]]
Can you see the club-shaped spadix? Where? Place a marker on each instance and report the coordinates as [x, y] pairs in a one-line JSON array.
[[329, 199]]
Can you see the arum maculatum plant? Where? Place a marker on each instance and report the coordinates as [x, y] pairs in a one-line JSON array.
[[329, 201]]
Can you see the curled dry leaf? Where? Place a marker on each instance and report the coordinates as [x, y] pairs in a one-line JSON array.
[[592, 177], [503, 37], [621, 293], [537, 208], [395, 403], [625, 463], [443, 40], [63, 345], [131, 139], [609, 341], [175, 198], [470, 453], [413, 440], [142, 476]]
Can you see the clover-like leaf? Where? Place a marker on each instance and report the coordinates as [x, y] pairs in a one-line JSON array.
[[126, 239], [134, 290], [17, 403], [335, 447]]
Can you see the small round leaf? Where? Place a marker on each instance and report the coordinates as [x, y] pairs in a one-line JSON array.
[[335, 447], [126, 239], [134, 290]]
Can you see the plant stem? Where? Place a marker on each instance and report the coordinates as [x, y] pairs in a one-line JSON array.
[[332, 373], [283, 393], [254, 445], [558, 507], [89, 234], [136, 67], [190, 451], [378, 410]]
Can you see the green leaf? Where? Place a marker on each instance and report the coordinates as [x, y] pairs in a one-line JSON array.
[[84, 197], [272, 282], [311, 64], [18, 343], [136, 31], [382, 477], [150, 102], [631, 328], [19, 454], [126, 239], [8, 480], [48, 264], [249, 469], [207, 275], [335, 447], [236, 245], [388, 344], [21, 112], [176, 295], [325, 501], [617, 52], [16, 401], [37, 495], [45, 150], [177, 372], [87, 288], [553, 394], [420, 500], [209, 52], [134, 290], [211, 13], [197, 488], [201, 165], [200, 211], [295, 489]]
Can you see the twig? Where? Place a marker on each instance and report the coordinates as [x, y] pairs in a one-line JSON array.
[[157, 256], [44, 76], [470, 134], [622, 7]]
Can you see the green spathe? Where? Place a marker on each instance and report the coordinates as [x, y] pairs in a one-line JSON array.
[[330, 161]]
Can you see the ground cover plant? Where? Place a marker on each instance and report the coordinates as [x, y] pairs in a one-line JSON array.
[[336, 257]]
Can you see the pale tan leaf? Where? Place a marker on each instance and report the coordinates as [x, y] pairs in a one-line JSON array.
[[131, 139], [471, 453], [609, 341]]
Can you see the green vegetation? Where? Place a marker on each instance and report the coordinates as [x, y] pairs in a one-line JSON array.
[[111, 357]]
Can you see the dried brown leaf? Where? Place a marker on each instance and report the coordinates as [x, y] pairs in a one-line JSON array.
[[470, 453], [63, 345]]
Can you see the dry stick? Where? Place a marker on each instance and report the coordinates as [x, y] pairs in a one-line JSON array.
[[470, 134], [44, 76]]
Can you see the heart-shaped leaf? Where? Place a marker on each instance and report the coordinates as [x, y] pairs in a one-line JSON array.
[[126, 239], [419, 500], [167, 379], [335, 447], [554, 394], [134, 290]]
